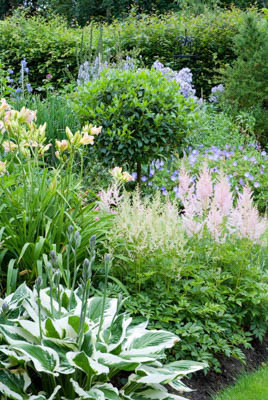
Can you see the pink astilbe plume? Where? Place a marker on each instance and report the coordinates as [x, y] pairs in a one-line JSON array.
[[245, 219], [223, 197], [204, 188], [212, 207]]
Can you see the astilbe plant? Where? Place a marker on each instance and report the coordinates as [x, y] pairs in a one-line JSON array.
[[211, 207]]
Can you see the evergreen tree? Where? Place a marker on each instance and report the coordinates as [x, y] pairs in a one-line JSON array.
[[246, 80]]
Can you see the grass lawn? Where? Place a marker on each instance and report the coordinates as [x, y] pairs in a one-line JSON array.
[[252, 386]]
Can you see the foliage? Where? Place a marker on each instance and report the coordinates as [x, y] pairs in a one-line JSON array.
[[49, 47], [142, 114], [216, 292], [245, 81], [39, 202], [72, 346]]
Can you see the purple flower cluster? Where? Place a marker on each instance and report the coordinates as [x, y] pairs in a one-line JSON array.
[[215, 93], [184, 77]]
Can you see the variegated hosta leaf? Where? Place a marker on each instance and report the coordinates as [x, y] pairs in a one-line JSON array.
[[116, 333], [16, 298], [15, 334], [44, 358], [148, 343], [60, 347], [118, 362], [153, 392], [184, 367], [14, 357], [88, 365], [13, 384], [104, 391], [94, 310], [44, 397]]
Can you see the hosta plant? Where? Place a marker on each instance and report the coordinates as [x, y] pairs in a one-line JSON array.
[[64, 345]]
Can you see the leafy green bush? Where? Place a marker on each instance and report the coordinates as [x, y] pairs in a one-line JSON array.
[[74, 347], [246, 80], [214, 294], [142, 114]]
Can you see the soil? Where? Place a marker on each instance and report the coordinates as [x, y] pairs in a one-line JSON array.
[[209, 385]]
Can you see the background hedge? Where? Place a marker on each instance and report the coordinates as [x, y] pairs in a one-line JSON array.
[[52, 47]]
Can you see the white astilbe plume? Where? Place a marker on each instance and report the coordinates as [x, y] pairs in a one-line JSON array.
[[110, 198], [212, 207], [149, 225], [245, 219]]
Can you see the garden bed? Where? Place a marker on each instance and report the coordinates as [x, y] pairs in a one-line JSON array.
[[209, 385]]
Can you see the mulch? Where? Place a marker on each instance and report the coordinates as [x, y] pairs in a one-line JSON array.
[[209, 385]]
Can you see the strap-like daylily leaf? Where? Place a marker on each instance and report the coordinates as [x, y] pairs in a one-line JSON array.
[[44, 358], [81, 361], [13, 384]]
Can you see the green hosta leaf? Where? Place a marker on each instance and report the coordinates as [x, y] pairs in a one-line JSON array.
[[53, 329], [109, 391], [13, 384], [13, 354], [44, 358], [60, 347], [31, 328], [86, 364], [23, 292]]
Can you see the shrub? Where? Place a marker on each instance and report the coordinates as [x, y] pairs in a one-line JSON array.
[[142, 114], [246, 80]]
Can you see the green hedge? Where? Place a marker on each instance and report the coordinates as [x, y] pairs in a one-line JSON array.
[[161, 38], [51, 47]]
